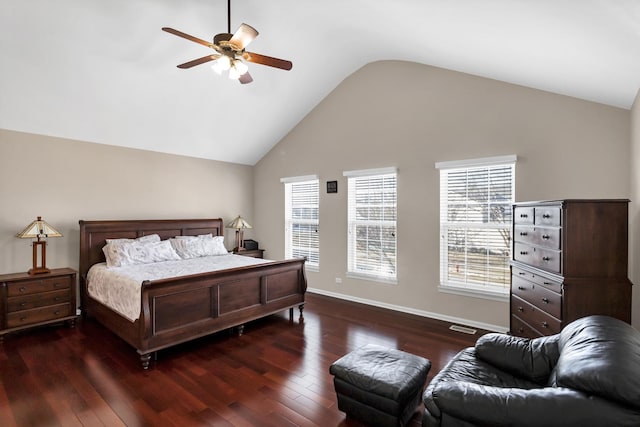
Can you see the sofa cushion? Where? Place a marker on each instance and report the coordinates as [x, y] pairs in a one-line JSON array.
[[533, 359], [466, 367], [600, 355]]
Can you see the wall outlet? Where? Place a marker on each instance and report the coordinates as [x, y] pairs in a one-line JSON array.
[[338, 280]]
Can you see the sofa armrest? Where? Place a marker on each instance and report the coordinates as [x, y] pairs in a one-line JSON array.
[[550, 406], [533, 359]]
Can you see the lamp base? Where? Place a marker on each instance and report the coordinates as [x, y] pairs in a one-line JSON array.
[[38, 270]]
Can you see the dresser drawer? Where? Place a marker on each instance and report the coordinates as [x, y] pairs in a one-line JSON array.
[[37, 315], [27, 287], [539, 236], [548, 215], [28, 302], [545, 259], [533, 316], [539, 296], [521, 329], [553, 285], [523, 215]]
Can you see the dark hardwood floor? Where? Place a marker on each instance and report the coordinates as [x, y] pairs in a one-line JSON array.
[[276, 374]]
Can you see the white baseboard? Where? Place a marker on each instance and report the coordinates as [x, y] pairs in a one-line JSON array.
[[429, 314]]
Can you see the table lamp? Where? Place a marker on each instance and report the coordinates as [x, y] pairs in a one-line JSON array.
[[39, 229], [239, 224]]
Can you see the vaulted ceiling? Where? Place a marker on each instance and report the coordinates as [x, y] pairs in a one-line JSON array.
[[103, 71]]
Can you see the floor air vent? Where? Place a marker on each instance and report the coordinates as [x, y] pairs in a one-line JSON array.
[[462, 329]]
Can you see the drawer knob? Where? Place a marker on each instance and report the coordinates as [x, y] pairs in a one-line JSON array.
[[523, 233], [22, 304], [22, 289], [22, 319], [547, 283], [521, 330], [545, 237], [520, 309], [56, 312], [546, 216], [522, 288], [524, 216], [522, 273], [523, 252], [546, 258], [545, 300], [545, 325]]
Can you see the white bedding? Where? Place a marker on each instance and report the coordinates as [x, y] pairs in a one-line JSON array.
[[119, 288]]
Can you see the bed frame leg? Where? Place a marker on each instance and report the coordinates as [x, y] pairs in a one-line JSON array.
[[239, 330], [144, 358], [300, 307]]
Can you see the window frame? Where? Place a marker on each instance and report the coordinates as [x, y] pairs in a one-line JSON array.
[[289, 183], [486, 289], [352, 269]]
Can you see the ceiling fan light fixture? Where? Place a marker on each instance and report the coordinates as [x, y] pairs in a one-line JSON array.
[[223, 64], [241, 67]]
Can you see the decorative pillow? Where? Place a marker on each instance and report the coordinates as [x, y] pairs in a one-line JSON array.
[[141, 239], [199, 236], [121, 254], [199, 246]]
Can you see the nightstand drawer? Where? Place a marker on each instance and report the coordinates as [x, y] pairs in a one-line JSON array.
[[28, 302], [37, 315], [27, 287]]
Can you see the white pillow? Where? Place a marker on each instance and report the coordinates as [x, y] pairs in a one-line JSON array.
[[121, 254], [199, 246]]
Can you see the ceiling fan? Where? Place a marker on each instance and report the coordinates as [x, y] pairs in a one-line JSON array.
[[230, 51]]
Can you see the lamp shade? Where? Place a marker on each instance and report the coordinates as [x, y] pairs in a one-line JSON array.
[[38, 229], [239, 223]]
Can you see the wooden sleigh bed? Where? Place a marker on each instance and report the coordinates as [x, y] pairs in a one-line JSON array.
[[180, 309]]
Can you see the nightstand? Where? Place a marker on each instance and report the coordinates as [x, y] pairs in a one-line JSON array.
[[255, 253], [29, 300]]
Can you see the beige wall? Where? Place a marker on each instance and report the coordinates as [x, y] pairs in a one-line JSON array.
[[65, 181], [634, 211], [410, 116]]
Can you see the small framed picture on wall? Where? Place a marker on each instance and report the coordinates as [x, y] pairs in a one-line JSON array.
[[332, 186]]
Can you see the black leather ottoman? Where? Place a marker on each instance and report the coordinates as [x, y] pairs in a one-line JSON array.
[[379, 386]]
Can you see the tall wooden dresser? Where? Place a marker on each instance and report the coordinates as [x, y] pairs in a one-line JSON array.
[[569, 261]]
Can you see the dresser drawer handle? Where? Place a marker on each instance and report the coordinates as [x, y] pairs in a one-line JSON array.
[[523, 252], [522, 288], [522, 273], [547, 283], [57, 298], [545, 300], [523, 233], [546, 216], [56, 312], [23, 304], [545, 237], [545, 325], [22, 289], [22, 319], [546, 258], [524, 216], [520, 309]]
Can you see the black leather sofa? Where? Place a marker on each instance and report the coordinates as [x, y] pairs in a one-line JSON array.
[[587, 375]]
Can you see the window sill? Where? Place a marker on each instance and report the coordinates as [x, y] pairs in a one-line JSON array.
[[494, 295], [372, 278]]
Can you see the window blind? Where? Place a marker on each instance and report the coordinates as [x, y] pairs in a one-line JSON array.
[[302, 221], [372, 224], [475, 225]]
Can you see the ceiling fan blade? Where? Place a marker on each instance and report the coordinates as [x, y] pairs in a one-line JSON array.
[[268, 60], [188, 37], [243, 36], [245, 78], [198, 61]]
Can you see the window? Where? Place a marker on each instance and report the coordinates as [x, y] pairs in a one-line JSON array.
[[476, 198], [301, 219], [372, 224]]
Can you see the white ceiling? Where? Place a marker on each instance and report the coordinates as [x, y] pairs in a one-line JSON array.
[[104, 72]]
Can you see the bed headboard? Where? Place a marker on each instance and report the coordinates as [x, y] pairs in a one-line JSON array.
[[93, 235]]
